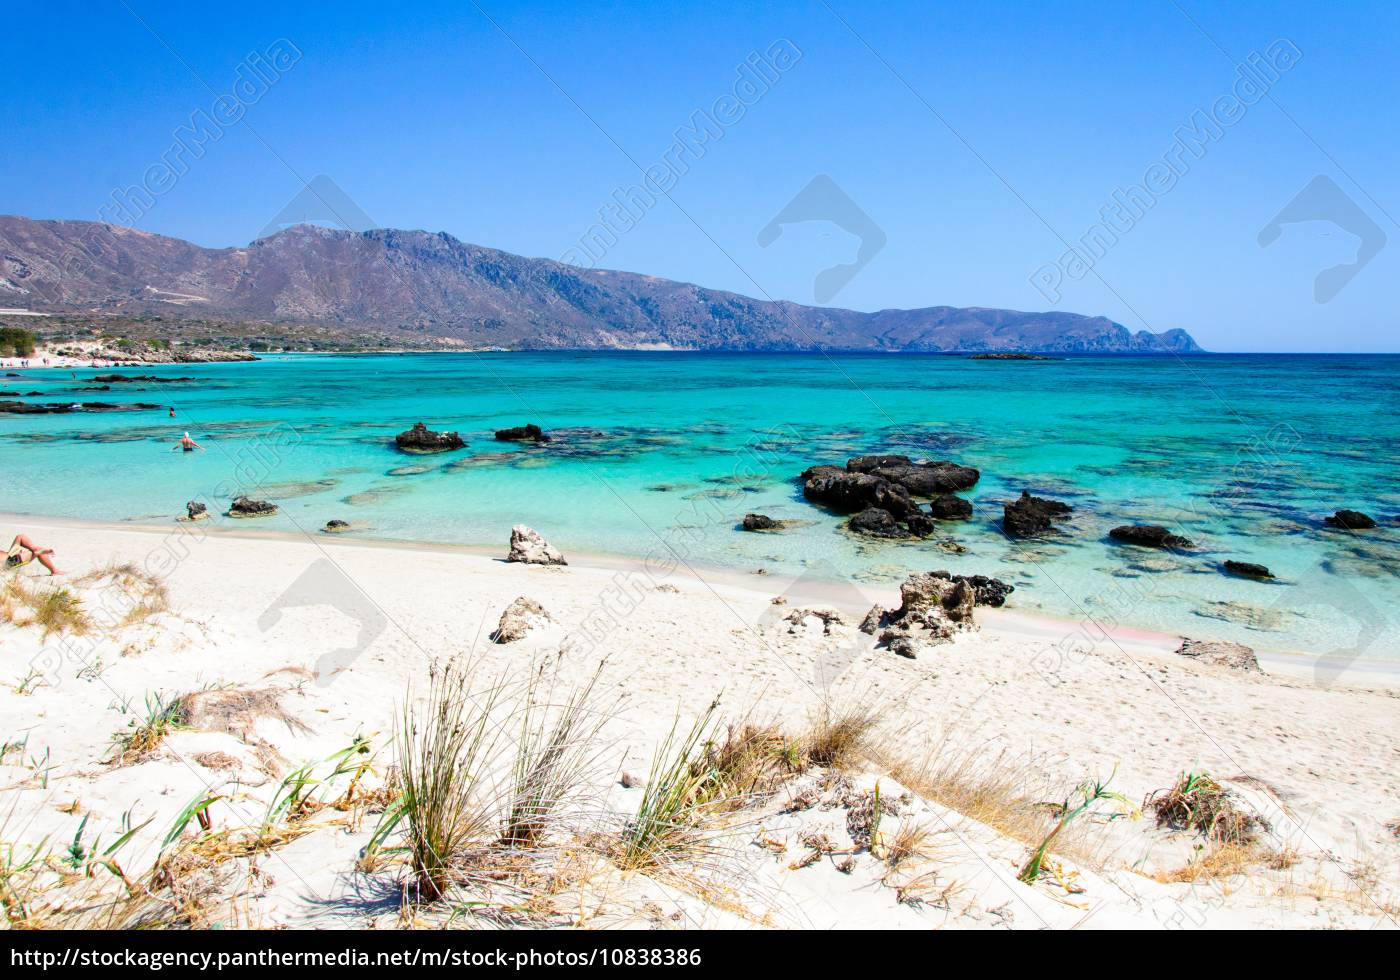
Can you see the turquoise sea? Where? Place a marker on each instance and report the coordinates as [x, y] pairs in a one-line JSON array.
[[665, 452]]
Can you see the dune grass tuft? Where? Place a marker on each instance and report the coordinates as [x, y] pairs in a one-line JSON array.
[[1199, 802], [162, 717], [556, 751], [678, 795], [839, 736], [447, 746]]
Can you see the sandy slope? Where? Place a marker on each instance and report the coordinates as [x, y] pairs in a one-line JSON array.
[[343, 627]]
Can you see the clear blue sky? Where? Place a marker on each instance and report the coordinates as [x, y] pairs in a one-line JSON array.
[[428, 116]]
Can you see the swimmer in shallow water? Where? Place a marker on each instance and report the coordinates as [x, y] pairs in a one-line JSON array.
[[187, 444]]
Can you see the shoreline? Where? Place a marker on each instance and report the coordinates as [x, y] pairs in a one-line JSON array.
[[283, 652], [1052, 631]]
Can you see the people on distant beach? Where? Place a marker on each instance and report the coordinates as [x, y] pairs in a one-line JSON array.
[[23, 550], [185, 443]]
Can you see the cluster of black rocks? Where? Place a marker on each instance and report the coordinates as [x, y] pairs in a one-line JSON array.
[[880, 490]]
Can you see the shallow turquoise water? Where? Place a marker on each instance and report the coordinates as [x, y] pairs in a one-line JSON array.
[[666, 452]]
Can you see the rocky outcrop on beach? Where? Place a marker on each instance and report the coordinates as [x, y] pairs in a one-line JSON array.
[[1247, 569], [1350, 520], [336, 526], [1028, 516], [760, 522], [421, 439], [1149, 536], [933, 609], [528, 547], [248, 507], [986, 591], [1233, 656], [521, 616], [196, 511]]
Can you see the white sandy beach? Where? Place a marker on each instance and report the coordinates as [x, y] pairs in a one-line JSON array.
[[343, 628]]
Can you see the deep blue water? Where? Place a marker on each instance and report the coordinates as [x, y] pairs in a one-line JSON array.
[[1245, 453]]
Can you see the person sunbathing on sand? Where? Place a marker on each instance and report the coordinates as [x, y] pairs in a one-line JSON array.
[[186, 443], [23, 550]]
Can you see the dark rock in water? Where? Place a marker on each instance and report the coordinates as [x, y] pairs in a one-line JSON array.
[[920, 525], [196, 511], [522, 433], [950, 507], [421, 439], [1028, 516], [930, 479], [134, 378], [839, 490], [987, 591], [63, 408], [1148, 536], [760, 522], [821, 469], [1012, 356], [1247, 569], [877, 523], [336, 526], [1350, 520], [248, 507], [864, 464], [1235, 656]]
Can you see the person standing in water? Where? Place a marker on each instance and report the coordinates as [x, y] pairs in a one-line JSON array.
[[187, 444]]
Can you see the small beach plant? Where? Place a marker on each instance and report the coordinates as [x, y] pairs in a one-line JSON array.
[[1090, 794], [675, 799], [1197, 801], [145, 737]]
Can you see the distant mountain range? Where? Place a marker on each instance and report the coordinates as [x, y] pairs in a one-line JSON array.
[[417, 284]]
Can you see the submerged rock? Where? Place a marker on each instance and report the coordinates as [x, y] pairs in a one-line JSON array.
[[877, 523], [950, 507], [1235, 656], [1148, 536], [421, 439], [527, 546], [248, 507], [1350, 520], [1028, 516], [1247, 569], [522, 433], [521, 616], [760, 522]]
